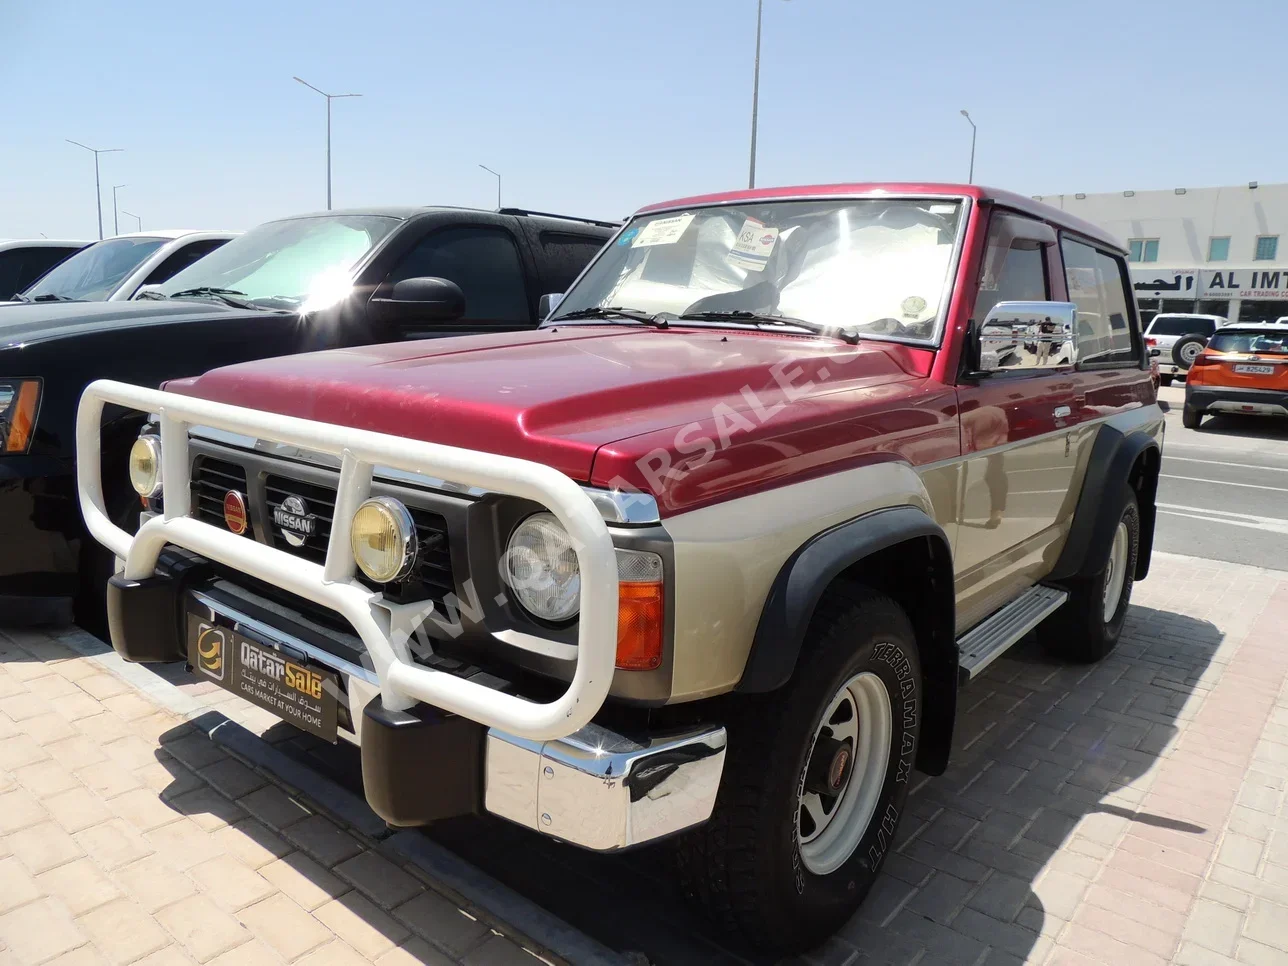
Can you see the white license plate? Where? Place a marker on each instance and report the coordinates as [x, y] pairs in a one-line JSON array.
[[1255, 370]]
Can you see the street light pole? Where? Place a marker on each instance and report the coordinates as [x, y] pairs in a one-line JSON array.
[[116, 213], [498, 184], [135, 217], [329, 99], [98, 190], [755, 96], [970, 179]]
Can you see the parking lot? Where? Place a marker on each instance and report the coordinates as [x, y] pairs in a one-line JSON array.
[[1130, 812]]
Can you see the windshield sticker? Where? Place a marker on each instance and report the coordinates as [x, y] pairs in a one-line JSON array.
[[664, 231], [628, 236], [754, 245]]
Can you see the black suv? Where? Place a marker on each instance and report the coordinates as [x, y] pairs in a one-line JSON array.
[[327, 280]]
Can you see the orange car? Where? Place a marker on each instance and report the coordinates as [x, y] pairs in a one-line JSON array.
[[1243, 369]]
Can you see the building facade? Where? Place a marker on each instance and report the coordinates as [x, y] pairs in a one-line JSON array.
[[1216, 251]]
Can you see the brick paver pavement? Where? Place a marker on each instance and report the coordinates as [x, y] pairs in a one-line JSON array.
[[1131, 812], [127, 836]]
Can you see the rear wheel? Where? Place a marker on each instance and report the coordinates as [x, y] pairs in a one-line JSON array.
[[1087, 627], [815, 781], [1165, 380], [1191, 417]]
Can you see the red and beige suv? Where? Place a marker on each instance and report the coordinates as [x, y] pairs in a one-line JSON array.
[[707, 556]]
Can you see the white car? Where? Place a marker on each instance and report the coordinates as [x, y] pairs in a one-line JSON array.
[[114, 269], [24, 260], [1168, 330]]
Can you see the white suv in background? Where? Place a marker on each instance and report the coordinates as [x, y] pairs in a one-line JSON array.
[[1175, 338]]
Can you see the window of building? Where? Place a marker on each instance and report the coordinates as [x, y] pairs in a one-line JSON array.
[[1219, 249], [1143, 250], [1267, 248]]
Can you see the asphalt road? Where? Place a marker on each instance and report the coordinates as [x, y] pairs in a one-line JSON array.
[[1223, 494]]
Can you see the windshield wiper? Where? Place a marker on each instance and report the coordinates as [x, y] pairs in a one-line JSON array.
[[51, 297], [757, 318], [613, 312], [229, 296], [151, 294]]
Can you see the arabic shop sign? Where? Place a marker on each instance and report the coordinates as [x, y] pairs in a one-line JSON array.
[[1165, 283], [1226, 283]]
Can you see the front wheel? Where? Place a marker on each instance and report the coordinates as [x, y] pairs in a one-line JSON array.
[[815, 781], [1087, 627]]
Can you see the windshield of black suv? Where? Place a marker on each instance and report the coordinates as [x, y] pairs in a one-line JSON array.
[[1180, 325], [868, 267], [1261, 343], [94, 273], [304, 263]]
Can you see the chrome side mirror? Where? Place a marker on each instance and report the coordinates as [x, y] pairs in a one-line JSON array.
[[1028, 335], [547, 304]]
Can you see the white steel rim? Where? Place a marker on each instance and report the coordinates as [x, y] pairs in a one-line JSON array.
[[1116, 572], [1190, 351], [858, 714]]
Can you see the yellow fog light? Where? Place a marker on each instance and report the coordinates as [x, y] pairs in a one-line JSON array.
[[145, 466], [383, 539]]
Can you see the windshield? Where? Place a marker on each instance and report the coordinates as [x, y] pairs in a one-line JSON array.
[[1260, 343], [306, 262], [94, 273], [875, 267], [1180, 325]]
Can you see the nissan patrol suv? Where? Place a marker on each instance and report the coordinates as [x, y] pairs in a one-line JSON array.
[[707, 556]]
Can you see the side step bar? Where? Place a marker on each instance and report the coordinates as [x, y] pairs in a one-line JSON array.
[[985, 642]]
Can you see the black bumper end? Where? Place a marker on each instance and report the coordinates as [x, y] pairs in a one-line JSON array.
[[421, 766], [145, 617]]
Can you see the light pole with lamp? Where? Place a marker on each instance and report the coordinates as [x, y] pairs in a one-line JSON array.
[[135, 217], [98, 191], [116, 212], [498, 184], [329, 99], [970, 179]]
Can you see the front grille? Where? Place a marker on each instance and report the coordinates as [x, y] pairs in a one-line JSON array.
[[320, 502], [211, 480], [431, 579]]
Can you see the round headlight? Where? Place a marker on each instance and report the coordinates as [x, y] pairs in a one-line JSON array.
[[541, 568], [383, 538], [145, 466]]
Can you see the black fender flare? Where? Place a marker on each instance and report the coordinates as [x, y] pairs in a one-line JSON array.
[[1100, 503], [802, 580]]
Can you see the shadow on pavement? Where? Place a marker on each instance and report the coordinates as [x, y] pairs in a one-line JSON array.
[[1247, 427], [1045, 751]]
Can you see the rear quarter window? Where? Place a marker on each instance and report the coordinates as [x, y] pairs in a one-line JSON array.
[[1101, 289]]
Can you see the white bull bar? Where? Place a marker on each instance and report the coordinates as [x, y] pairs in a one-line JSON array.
[[385, 628]]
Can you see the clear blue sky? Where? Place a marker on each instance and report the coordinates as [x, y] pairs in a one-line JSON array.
[[599, 106]]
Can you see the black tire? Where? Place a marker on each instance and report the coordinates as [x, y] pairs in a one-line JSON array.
[[1079, 631], [1184, 351], [1165, 380], [1191, 418], [98, 564], [745, 865]]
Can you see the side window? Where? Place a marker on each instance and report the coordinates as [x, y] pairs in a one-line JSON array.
[[484, 262], [1101, 289], [181, 259], [1014, 267], [564, 255]]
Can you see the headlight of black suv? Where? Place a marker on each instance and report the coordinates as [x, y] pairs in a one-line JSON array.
[[19, 402]]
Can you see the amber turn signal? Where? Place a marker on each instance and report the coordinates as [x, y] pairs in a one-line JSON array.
[[21, 417], [640, 610]]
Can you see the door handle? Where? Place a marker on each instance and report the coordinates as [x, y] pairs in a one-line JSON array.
[[1062, 411]]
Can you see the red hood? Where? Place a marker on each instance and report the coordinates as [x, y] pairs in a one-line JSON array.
[[556, 395]]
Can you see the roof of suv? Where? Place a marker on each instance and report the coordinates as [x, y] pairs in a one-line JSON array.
[[1218, 319], [978, 193], [411, 211]]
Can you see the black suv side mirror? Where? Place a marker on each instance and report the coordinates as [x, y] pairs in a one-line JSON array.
[[424, 299]]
